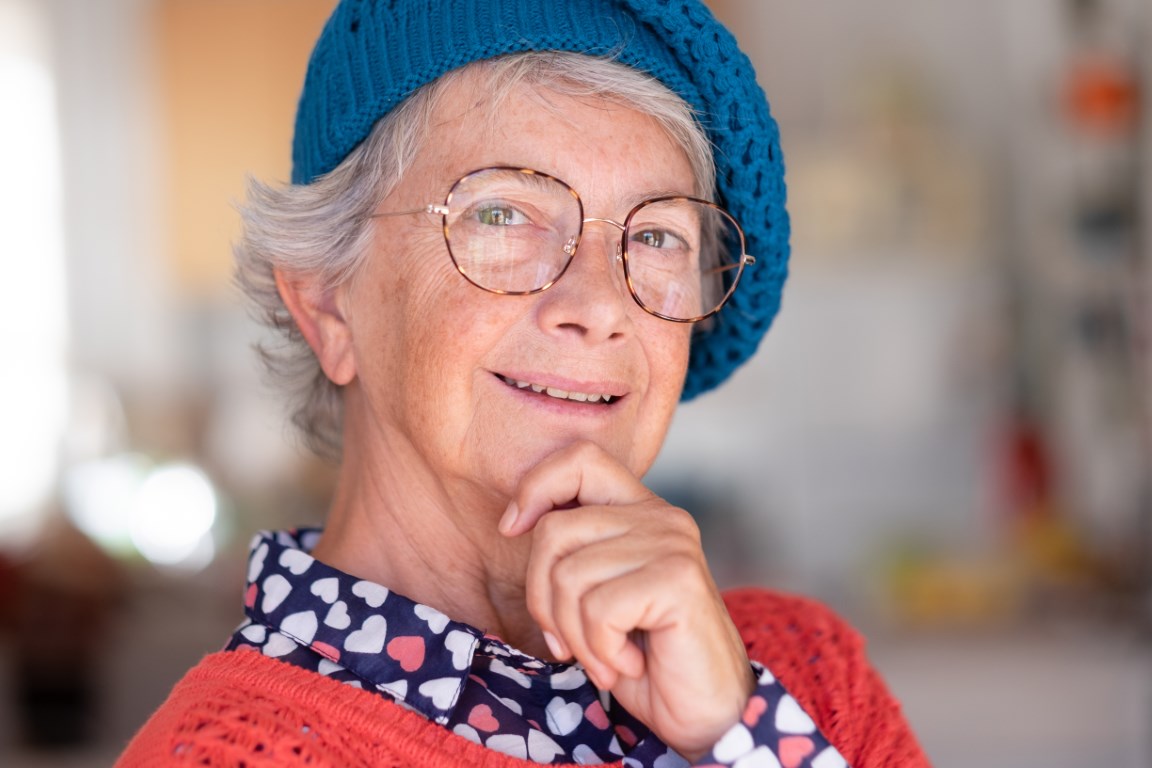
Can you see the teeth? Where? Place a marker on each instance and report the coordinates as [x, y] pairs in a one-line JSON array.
[[560, 394]]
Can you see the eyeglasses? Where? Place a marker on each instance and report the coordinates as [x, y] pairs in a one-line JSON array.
[[514, 231]]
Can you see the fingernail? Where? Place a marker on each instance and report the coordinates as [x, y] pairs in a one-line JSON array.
[[509, 518], [554, 646]]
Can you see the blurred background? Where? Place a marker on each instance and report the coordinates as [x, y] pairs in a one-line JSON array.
[[947, 435]]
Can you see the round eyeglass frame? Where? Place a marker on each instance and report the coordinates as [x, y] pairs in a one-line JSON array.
[[444, 209]]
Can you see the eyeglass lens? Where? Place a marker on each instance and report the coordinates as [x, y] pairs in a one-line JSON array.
[[515, 231]]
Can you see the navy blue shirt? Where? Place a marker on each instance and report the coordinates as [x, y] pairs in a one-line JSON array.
[[310, 615]]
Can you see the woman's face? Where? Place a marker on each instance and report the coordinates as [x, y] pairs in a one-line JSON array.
[[434, 354]]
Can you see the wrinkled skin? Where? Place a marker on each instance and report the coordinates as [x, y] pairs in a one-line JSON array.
[[505, 508]]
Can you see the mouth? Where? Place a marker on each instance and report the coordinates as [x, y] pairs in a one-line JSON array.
[[596, 398]]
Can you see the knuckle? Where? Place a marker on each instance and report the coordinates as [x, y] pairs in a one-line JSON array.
[[548, 525], [681, 522], [683, 569], [586, 449], [565, 573], [538, 603], [594, 616]]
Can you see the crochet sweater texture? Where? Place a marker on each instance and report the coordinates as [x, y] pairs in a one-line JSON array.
[[242, 708]]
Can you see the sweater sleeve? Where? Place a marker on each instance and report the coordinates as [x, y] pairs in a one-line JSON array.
[[822, 662]]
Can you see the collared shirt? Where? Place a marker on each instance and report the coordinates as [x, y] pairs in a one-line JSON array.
[[317, 617]]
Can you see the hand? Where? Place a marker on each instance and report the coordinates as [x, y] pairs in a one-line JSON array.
[[617, 579]]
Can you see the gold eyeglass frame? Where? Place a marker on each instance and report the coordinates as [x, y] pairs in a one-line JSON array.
[[570, 247]]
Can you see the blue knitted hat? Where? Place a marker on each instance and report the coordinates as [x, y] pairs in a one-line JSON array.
[[374, 53]]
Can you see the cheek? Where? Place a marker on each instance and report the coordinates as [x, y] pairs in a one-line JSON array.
[[397, 299], [668, 351]]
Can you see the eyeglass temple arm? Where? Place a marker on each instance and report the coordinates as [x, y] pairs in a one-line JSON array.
[[436, 208], [745, 260]]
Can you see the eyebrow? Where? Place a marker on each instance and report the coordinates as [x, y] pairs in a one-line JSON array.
[[634, 200], [629, 202]]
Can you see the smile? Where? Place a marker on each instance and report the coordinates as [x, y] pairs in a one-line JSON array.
[[560, 394]]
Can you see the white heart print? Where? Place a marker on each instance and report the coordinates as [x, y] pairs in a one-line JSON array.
[[829, 758], [761, 757], [276, 588], [337, 617], [373, 594], [541, 748], [370, 637], [585, 755], [256, 633], [295, 561], [256, 563], [301, 626], [509, 744], [734, 744], [563, 717], [279, 645], [442, 691], [514, 675], [568, 680], [790, 718], [436, 620], [467, 731], [399, 689], [326, 589], [462, 645]]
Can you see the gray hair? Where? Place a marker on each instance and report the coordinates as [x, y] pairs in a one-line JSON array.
[[324, 229]]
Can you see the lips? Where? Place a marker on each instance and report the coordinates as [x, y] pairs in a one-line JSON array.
[[560, 394]]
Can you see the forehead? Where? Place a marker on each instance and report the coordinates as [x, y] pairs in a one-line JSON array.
[[601, 146]]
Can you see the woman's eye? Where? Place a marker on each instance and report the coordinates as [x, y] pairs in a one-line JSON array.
[[657, 238], [499, 216]]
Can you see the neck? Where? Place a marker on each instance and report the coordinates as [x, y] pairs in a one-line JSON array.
[[395, 523]]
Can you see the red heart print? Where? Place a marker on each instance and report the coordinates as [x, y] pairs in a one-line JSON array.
[[481, 718], [595, 715], [408, 650], [756, 707], [326, 650], [793, 749], [624, 733]]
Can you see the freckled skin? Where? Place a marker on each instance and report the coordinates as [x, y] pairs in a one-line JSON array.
[[436, 445], [432, 341]]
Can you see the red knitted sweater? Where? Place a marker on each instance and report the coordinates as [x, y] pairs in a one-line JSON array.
[[242, 708]]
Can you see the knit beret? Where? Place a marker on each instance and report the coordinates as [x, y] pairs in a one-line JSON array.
[[372, 54]]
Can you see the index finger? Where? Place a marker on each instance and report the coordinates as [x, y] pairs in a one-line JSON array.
[[581, 474]]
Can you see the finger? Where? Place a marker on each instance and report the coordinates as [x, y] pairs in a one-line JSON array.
[[576, 550], [683, 618], [619, 615], [570, 581], [571, 552], [581, 474]]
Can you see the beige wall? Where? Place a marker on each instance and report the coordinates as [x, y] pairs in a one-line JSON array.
[[228, 75]]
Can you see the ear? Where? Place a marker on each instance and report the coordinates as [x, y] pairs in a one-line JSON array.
[[322, 323]]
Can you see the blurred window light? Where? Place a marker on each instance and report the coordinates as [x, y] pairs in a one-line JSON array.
[[130, 506], [33, 313], [100, 497], [172, 515]]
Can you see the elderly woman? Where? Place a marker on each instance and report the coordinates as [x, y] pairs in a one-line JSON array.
[[501, 263]]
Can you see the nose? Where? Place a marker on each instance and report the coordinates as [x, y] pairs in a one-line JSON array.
[[591, 300]]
